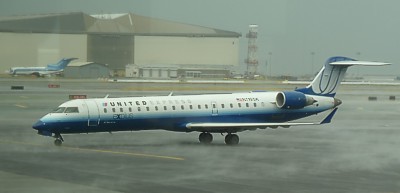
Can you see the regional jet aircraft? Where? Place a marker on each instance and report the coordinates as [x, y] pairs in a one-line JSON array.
[[209, 113], [50, 69]]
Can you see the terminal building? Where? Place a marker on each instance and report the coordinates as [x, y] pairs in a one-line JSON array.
[[126, 43]]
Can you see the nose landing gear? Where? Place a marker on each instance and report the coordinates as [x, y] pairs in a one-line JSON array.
[[59, 139]]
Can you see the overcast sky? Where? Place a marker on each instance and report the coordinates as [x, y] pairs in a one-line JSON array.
[[293, 34]]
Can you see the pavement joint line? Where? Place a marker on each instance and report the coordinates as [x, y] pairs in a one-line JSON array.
[[99, 151]]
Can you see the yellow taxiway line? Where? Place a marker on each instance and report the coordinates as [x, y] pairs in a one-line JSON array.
[[99, 150], [124, 153]]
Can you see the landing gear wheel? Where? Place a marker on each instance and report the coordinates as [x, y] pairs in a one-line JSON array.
[[59, 139], [231, 139], [58, 142], [205, 138]]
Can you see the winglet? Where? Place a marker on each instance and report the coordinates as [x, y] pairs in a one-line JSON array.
[[329, 117]]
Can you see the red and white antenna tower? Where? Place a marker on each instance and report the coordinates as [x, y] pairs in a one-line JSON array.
[[252, 59]]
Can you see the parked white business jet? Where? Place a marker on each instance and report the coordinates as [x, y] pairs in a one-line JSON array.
[[42, 71], [207, 114]]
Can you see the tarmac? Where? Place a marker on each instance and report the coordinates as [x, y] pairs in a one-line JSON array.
[[358, 152]]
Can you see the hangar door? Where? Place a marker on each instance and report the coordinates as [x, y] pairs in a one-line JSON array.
[[114, 50], [155, 50]]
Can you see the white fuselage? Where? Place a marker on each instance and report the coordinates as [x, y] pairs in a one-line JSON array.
[[32, 71], [175, 112]]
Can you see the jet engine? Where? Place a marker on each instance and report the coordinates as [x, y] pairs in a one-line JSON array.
[[293, 100]]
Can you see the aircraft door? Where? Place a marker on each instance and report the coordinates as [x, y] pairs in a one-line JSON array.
[[93, 113], [214, 108]]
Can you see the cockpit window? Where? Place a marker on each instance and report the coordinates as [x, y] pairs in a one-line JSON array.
[[59, 110], [72, 110]]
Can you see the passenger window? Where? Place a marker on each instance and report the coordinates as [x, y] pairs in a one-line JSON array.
[[191, 107], [105, 110], [113, 109], [173, 108], [72, 110], [182, 107], [165, 108], [223, 105], [156, 108], [231, 105], [130, 109], [239, 105], [199, 106], [147, 108], [206, 106], [214, 105], [138, 109], [255, 104], [121, 110], [247, 104]]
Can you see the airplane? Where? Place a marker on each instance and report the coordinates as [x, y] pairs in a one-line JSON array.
[[42, 71], [205, 113]]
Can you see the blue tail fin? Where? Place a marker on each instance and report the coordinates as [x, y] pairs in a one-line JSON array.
[[331, 75], [60, 64]]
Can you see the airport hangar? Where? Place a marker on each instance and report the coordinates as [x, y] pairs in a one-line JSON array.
[[148, 47]]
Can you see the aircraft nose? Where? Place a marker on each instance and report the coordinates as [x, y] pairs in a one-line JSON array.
[[42, 128], [39, 125], [337, 102]]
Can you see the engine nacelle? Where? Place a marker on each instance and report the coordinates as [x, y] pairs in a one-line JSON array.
[[293, 100]]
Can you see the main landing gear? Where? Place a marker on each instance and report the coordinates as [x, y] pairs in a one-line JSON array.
[[230, 139], [205, 138], [59, 139]]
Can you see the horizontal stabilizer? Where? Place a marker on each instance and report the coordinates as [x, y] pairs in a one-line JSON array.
[[360, 63]]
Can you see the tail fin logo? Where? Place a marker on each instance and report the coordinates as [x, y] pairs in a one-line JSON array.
[[61, 64], [328, 79]]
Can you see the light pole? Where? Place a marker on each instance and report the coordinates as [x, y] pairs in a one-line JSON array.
[[358, 67], [312, 63], [270, 63]]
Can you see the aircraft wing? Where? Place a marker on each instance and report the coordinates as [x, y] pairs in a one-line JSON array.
[[50, 72], [236, 127]]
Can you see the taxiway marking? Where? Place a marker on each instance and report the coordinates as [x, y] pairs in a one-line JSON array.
[[124, 153], [99, 150]]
